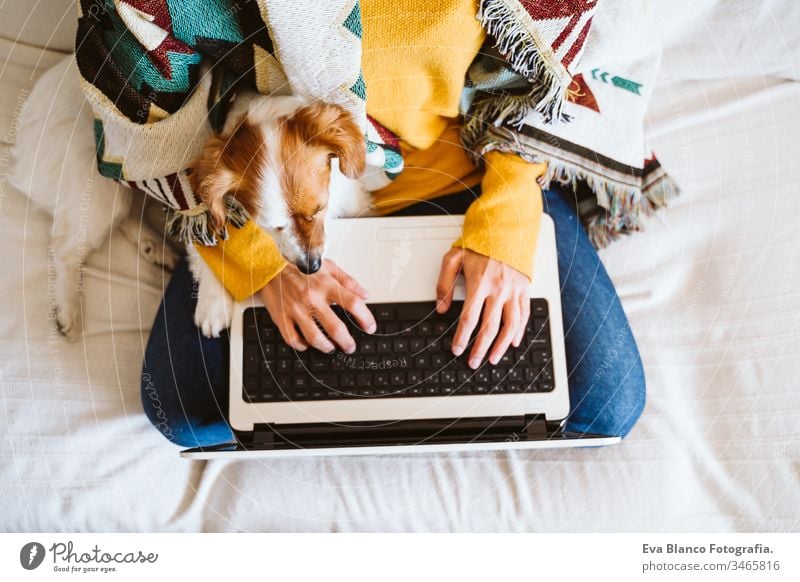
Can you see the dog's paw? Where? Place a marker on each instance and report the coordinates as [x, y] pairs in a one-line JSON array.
[[68, 320], [213, 314]]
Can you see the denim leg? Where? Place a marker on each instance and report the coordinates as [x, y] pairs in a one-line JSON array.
[[185, 382], [185, 374], [606, 378]]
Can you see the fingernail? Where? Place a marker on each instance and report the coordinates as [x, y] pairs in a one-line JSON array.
[[494, 359], [440, 306], [474, 363], [458, 350], [372, 327], [350, 349]]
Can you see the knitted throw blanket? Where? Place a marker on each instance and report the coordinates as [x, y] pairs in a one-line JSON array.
[[158, 74]]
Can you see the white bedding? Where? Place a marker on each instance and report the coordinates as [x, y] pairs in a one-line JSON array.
[[712, 288]]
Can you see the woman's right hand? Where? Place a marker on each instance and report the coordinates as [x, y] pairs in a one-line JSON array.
[[296, 302]]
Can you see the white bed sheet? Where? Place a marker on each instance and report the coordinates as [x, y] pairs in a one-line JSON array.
[[712, 289]]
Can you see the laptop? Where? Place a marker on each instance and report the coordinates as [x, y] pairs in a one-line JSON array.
[[402, 391]]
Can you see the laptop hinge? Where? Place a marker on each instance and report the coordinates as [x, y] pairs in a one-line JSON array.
[[535, 425], [263, 435], [313, 435]]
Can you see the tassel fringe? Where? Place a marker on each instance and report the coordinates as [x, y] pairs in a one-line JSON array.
[[196, 225], [624, 206], [548, 91]]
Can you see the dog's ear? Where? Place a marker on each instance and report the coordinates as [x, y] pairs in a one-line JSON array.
[[332, 127], [212, 180]]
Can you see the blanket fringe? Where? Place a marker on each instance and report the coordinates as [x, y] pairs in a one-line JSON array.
[[196, 225], [516, 44], [624, 206]]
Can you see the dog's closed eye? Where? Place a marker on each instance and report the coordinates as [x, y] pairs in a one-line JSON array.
[[314, 216]]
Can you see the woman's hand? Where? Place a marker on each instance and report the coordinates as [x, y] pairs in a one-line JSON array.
[[296, 302], [498, 290]]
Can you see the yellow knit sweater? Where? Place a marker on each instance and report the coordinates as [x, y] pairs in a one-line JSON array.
[[415, 57]]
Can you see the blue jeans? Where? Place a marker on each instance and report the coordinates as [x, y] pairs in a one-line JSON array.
[[185, 381]]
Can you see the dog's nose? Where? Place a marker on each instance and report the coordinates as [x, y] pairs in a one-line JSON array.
[[310, 266]]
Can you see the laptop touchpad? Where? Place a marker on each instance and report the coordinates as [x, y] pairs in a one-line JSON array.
[[407, 260]]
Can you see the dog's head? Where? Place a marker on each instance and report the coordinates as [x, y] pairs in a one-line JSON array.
[[275, 160]]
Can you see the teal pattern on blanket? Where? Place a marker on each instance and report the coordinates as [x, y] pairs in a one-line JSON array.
[[133, 60], [108, 169], [214, 19]]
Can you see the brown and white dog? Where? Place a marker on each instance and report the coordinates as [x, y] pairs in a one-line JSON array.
[[291, 164]]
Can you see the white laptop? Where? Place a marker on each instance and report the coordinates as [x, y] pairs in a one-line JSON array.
[[402, 390]]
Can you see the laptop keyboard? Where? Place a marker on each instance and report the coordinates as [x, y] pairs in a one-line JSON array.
[[408, 356]]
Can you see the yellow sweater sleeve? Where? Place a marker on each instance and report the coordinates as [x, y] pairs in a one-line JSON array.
[[246, 261], [503, 223]]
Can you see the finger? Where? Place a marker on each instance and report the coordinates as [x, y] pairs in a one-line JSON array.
[[312, 334], [355, 306], [508, 331], [336, 329], [470, 316], [288, 331], [490, 324], [346, 280], [524, 315], [451, 264]]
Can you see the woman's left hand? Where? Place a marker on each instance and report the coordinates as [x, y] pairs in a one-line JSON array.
[[498, 290]]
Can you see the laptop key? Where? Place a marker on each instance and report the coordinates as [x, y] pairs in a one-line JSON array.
[[414, 377], [400, 345], [417, 345], [422, 362], [539, 356], [383, 313]]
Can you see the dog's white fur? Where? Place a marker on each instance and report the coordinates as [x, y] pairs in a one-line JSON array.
[[55, 165]]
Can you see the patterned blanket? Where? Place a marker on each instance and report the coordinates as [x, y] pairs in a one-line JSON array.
[[159, 73]]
